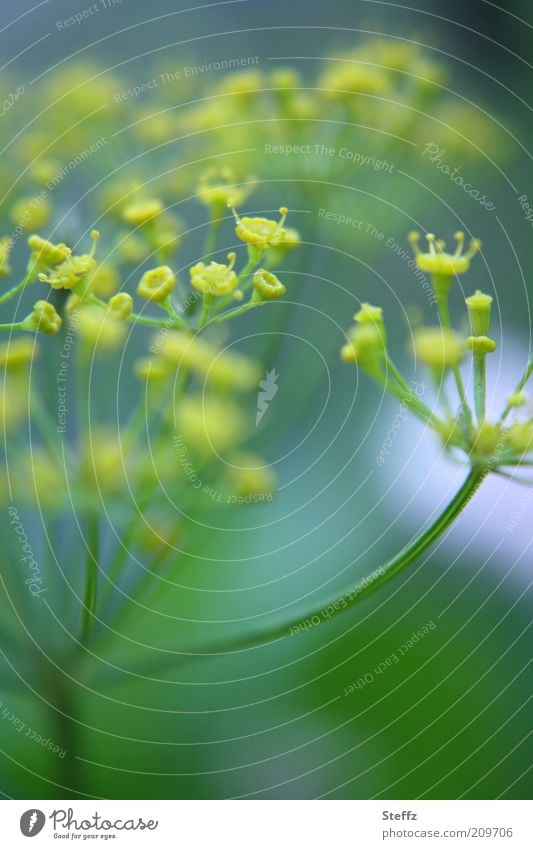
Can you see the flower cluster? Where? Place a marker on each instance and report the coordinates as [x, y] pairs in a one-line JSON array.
[[441, 350]]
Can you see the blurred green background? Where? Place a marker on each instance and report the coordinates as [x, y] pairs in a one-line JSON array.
[[149, 718]]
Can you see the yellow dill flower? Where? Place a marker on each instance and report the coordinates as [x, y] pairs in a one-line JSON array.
[[437, 261], [521, 437], [152, 369], [487, 438], [157, 284], [31, 213], [346, 76], [103, 460], [72, 269], [104, 280], [43, 171], [17, 352], [43, 319], [167, 235], [132, 249], [223, 370], [250, 479], [13, 405], [209, 425], [438, 348], [217, 188], [142, 212], [243, 85], [285, 78], [40, 479], [260, 233], [267, 286], [100, 329], [214, 279], [46, 253], [5, 250], [121, 305], [291, 240]]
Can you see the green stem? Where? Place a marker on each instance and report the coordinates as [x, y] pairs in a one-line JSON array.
[[522, 382], [229, 314], [445, 319], [91, 577], [480, 382], [379, 577], [17, 325], [406, 396]]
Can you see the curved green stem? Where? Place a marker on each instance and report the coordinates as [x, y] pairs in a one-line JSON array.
[[521, 383], [378, 578]]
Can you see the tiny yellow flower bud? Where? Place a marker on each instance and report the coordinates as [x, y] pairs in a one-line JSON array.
[[46, 253], [214, 279], [5, 250], [521, 437], [121, 305], [517, 399], [157, 284], [480, 344], [140, 213], [261, 233], [438, 348], [479, 311], [366, 346], [267, 286], [43, 319], [368, 313]]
